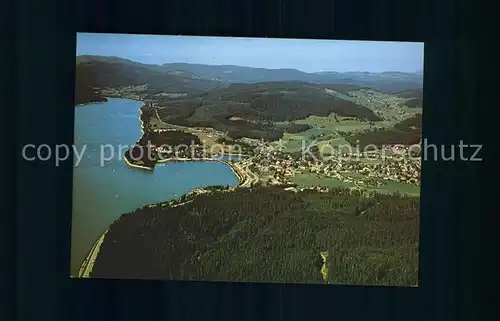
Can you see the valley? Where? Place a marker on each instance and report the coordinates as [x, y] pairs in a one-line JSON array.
[[309, 145], [273, 122]]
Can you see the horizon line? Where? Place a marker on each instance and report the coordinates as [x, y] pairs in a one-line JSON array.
[[419, 71]]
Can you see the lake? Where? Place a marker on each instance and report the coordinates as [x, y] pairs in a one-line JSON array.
[[101, 194]]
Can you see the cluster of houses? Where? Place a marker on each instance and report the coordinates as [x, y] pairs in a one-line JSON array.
[[281, 168], [315, 188]]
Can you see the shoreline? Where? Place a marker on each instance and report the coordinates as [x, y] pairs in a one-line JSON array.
[[136, 166], [141, 126], [161, 161], [140, 118], [239, 173], [89, 261], [142, 133], [234, 168], [166, 160], [92, 103]]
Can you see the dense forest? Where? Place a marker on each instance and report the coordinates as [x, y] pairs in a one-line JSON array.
[[406, 132], [242, 128], [271, 102], [143, 153], [85, 92], [412, 124], [270, 235]]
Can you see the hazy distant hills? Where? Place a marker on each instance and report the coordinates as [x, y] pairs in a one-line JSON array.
[[389, 82], [239, 74], [114, 71]]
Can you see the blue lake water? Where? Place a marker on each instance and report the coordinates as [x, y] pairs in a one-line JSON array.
[[101, 194]]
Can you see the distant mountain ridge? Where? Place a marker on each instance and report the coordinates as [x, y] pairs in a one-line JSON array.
[[390, 82], [97, 72]]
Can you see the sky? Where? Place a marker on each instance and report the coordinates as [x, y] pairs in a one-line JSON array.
[[302, 54]]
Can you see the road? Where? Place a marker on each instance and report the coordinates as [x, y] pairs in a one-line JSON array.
[[248, 177], [88, 263]]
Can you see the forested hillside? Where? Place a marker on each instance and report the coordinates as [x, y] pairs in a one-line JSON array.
[[270, 235], [252, 110], [406, 132], [389, 82], [111, 72], [85, 90]]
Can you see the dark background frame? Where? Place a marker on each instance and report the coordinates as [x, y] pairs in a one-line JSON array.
[[44, 56]]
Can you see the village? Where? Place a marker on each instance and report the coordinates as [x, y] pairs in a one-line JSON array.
[[273, 167], [263, 164], [280, 169]]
